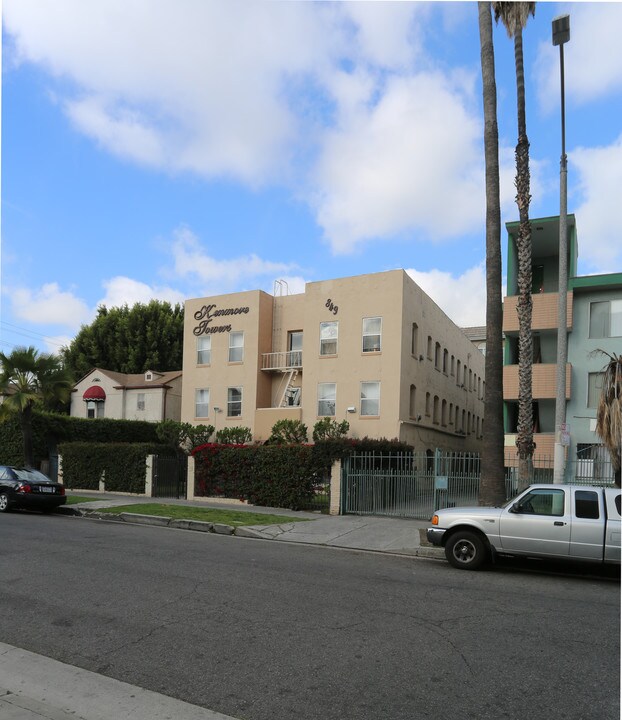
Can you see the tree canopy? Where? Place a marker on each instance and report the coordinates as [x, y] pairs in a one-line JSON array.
[[29, 378], [129, 340]]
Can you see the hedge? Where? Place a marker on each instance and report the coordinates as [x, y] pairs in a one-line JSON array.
[[275, 475], [123, 464], [267, 475], [50, 429]]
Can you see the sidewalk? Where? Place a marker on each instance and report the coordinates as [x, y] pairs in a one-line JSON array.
[[400, 536], [34, 687]]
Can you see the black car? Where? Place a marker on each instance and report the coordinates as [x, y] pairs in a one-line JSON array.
[[27, 488]]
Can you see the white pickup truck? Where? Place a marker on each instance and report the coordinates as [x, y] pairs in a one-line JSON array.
[[569, 522]]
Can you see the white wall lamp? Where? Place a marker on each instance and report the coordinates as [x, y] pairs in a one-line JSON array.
[[351, 409]]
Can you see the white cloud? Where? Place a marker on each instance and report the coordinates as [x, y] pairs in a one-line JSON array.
[[122, 290], [199, 87], [600, 187], [462, 299], [217, 276], [592, 58], [49, 305], [411, 161]]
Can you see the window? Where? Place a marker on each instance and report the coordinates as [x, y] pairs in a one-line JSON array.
[[430, 348], [94, 409], [329, 335], [458, 373], [437, 356], [542, 502], [372, 334], [444, 413], [606, 319], [234, 401], [201, 402], [453, 365], [594, 387], [294, 346], [236, 346], [435, 417], [140, 401], [370, 398], [204, 350], [586, 504], [445, 361], [427, 403], [414, 339], [326, 399]]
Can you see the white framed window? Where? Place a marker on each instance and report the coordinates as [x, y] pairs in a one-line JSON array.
[[606, 319], [372, 334], [201, 402], [236, 346], [234, 401], [370, 398], [204, 350], [140, 401], [329, 336], [326, 399], [94, 409]]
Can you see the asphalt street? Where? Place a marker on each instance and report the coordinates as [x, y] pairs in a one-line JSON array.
[[260, 630]]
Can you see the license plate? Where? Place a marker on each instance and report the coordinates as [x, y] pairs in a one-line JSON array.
[[44, 489]]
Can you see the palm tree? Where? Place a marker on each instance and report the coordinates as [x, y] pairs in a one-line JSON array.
[[514, 17], [609, 411], [29, 378], [492, 483]]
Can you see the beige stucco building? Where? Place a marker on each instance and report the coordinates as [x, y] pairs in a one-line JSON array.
[[150, 396], [374, 350]]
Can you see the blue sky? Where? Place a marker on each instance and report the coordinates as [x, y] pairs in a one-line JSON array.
[[159, 149]]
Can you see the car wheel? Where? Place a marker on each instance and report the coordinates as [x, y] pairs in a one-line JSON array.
[[466, 550], [4, 502]]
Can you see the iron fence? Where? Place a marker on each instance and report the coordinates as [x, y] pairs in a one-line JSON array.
[[416, 484]]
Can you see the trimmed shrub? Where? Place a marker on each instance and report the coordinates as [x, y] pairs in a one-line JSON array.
[[268, 475], [123, 465], [234, 436], [328, 429], [288, 431]]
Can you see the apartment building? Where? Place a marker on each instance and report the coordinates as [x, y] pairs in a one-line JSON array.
[[374, 350], [593, 323]]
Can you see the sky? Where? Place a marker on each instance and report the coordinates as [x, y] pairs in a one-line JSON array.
[[174, 149]]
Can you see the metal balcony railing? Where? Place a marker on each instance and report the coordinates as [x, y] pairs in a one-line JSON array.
[[282, 360]]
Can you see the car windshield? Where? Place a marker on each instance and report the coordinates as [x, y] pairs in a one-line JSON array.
[[31, 475]]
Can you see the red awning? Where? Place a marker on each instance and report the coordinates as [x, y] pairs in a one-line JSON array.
[[94, 394]]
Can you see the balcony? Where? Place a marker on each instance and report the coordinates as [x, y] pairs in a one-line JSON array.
[[282, 361], [543, 381], [544, 313]]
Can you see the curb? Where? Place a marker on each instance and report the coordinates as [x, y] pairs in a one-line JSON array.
[[244, 531]]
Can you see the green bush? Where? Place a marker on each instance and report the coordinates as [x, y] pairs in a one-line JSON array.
[[288, 431], [269, 475], [123, 465], [183, 436], [328, 429], [234, 436]]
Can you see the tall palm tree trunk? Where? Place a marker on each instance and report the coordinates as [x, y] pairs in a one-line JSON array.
[[492, 482], [524, 439], [25, 420]]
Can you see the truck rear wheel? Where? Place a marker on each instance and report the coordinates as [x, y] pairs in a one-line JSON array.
[[466, 550]]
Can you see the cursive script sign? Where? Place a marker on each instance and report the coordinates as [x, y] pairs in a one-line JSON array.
[[206, 315]]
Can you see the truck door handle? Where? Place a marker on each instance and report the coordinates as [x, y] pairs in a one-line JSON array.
[[557, 522]]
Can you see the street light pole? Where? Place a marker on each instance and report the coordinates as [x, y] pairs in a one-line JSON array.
[[561, 35]]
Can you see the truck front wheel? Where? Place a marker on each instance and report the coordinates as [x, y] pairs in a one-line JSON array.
[[466, 550]]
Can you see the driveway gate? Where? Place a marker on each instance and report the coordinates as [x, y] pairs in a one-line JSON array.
[[169, 477]]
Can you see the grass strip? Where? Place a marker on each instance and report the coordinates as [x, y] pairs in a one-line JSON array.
[[213, 515], [74, 499]]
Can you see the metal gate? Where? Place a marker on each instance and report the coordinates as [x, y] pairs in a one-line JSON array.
[[169, 477]]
